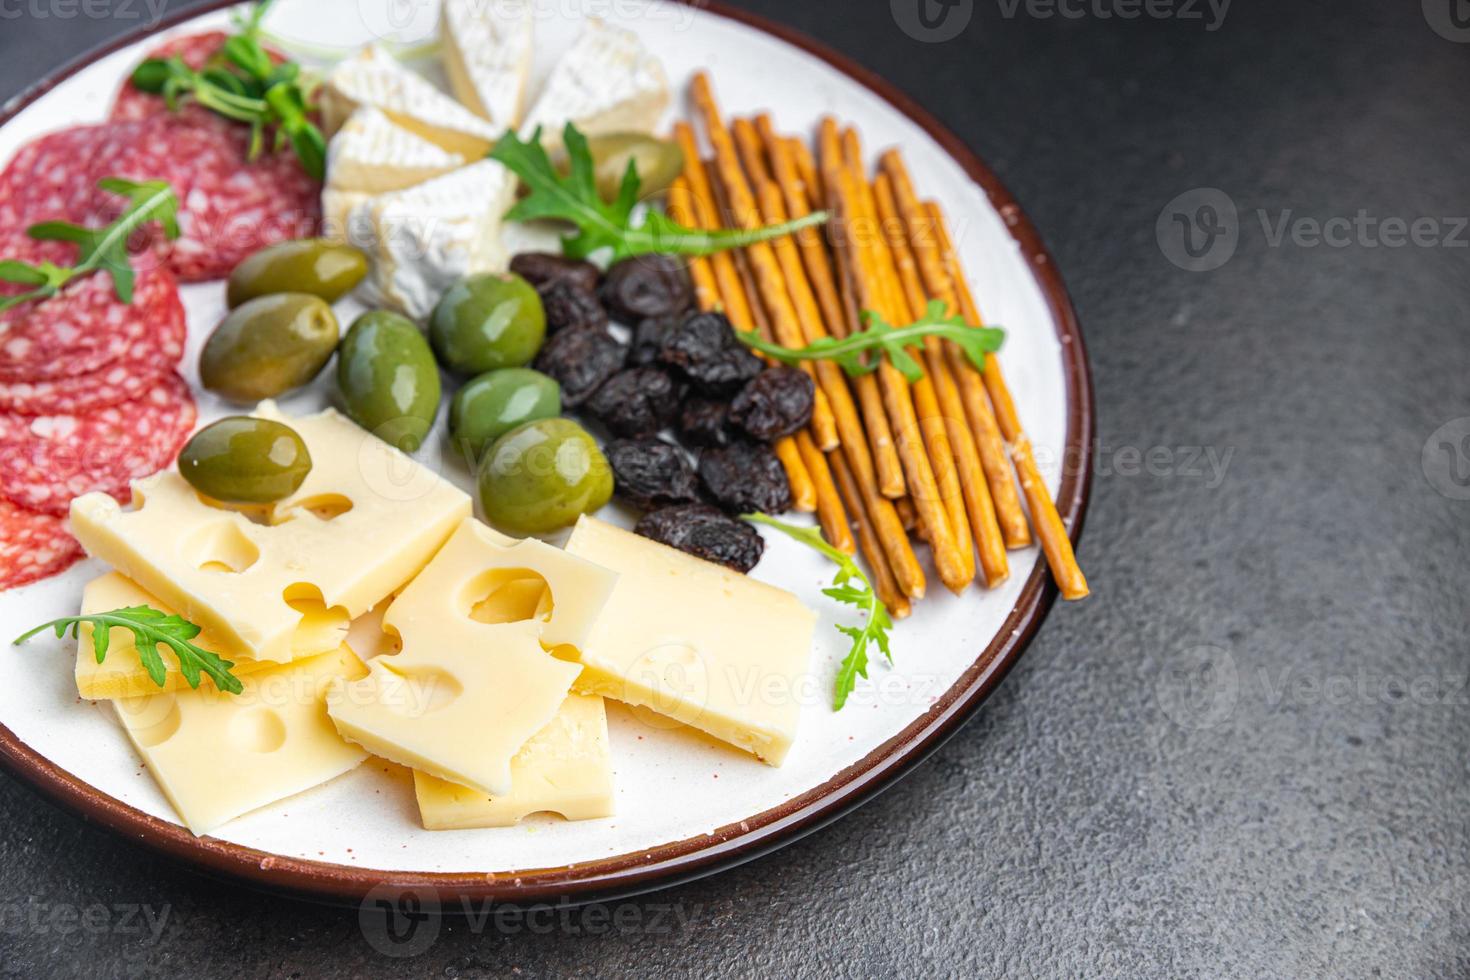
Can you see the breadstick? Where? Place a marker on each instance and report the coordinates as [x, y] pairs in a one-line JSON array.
[[1055, 541], [681, 209], [873, 549]]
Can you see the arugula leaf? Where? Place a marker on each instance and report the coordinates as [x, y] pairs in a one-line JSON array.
[[600, 224], [851, 352], [151, 629], [849, 586], [98, 249]]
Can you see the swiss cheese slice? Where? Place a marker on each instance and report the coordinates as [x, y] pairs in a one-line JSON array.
[[121, 673], [607, 82], [375, 78], [464, 695], [362, 523], [373, 155], [425, 238], [217, 756], [697, 642], [566, 769], [487, 54]]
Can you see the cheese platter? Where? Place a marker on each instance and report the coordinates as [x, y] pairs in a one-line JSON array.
[[478, 457]]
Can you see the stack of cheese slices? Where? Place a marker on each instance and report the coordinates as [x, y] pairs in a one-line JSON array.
[[502, 650], [407, 178]]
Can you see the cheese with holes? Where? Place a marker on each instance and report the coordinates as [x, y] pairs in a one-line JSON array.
[[697, 642], [487, 55], [372, 155], [426, 238], [566, 769], [218, 756], [362, 523], [375, 78], [121, 673], [464, 695], [607, 82]]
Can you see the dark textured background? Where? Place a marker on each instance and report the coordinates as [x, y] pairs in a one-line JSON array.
[[1246, 755]]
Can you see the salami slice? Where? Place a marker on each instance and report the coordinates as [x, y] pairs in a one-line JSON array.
[[49, 459], [195, 49], [32, 546], [85, 327]]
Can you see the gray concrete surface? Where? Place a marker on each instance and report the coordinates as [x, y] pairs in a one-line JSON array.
[[1245, 756]]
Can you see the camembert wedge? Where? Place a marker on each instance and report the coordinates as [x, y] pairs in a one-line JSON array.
[[487, 54], [607, 82], [373, 155], [697, 642]]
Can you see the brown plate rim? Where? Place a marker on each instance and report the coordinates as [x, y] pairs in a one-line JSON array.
[[668, 864]]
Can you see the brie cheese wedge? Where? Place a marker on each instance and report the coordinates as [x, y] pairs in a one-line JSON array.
[[372, 155], [607, 82], [487, 54]]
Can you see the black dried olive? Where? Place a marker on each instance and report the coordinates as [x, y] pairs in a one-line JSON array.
[[635, 402], [775, 403], [702, 422], [647, 285], [745, 477], [541, 269], [705, 350], [649, 473], [704, 532], [569, 306], [648, 339], [580, 360]]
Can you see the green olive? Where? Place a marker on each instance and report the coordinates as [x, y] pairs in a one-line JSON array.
[[659, 162], [496, 402], [309, 265], [488, 321], [245, 460], [268, 346], [543, 475], [388, 379]]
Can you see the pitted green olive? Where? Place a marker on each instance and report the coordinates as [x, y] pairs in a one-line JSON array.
[[309, 265], [496, 402], [245, 460], [543, 475], [388, 379], [489, 321], [268, 345]]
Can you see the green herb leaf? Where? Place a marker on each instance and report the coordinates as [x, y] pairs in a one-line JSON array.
[[851, 587], [151, 630], [854, 351], [600, 224]]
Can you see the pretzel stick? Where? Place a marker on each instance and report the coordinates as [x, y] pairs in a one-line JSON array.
[[941, 285], [873, 549], [977, 506], [918, 446], [732, 296], [906, 513], [1055, 541], [807, 167], [681, 209]]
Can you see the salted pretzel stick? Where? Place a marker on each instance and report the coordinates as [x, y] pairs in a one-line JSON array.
[[977, 508], [941, 285], [955, 568], [681, 209], [886, 462], [801, 154], [873, 549], [1055, 541]]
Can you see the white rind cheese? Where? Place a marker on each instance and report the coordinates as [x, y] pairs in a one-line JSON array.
[[607, 82], [218, 756], [697, 642], [364, 521], [426, 238], [566, 769], [375, 78], [372, 155], [487, 54]]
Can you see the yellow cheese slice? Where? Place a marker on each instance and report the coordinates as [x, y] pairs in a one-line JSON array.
[[465, 695], [121, 673], [697, 642], [218, 756], [364, 521], [566, 768]]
